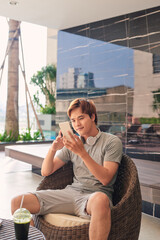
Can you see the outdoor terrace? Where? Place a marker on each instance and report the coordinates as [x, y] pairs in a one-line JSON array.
[[17, 177]]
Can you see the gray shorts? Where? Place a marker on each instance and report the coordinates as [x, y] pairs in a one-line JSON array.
[[66, 200]]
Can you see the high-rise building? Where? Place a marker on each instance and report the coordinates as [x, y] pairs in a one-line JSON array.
[[75, 78]]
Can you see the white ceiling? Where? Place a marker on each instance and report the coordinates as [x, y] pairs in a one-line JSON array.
[[61, 14]]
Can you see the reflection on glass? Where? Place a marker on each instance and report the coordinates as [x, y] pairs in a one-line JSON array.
[[116, 63], [93, 63]]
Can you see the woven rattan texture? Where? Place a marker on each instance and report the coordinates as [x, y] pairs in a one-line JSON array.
[[126, 213]]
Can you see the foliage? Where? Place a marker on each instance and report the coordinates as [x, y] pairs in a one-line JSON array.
[[150, 120], [44, 80], [48, 110], [25, 136], [8, 137], [156, 101]]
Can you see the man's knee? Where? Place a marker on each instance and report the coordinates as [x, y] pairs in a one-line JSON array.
[[30, 202], [98, 202], [15, 203]]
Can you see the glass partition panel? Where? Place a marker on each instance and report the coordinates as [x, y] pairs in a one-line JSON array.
[[116, 63]]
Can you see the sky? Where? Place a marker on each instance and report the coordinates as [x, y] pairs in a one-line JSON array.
[[34, 40], [111, 64]]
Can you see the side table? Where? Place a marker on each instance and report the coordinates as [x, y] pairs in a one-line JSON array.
[[7, 231]]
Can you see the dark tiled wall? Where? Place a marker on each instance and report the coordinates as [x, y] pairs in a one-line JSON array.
[[138, 30]]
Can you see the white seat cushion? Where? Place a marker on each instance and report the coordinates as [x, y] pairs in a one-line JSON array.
[[64, 220]]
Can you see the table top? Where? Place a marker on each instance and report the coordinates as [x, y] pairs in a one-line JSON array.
[[7, 231]]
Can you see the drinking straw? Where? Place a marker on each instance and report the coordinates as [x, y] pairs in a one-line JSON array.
[[22, 202]]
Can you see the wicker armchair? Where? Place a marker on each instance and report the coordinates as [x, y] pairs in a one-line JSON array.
[[126, 213]]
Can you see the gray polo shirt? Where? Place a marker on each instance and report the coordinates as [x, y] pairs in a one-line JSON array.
[[107, 147]]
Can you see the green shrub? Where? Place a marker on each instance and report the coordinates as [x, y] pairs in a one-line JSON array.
[[150, 120], [25, 136], [4, 137], [48, 110]]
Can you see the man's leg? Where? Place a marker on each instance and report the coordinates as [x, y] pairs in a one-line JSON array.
[[98, 207], [30, 202]]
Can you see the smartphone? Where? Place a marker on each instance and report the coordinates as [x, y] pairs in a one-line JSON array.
[[65, 127]]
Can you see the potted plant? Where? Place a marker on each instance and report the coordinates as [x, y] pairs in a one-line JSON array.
[[45, 80]]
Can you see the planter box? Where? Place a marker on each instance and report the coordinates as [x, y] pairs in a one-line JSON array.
[[47, 121], [5, 144]]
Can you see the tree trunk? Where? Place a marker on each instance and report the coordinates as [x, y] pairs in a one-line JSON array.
[[12, 116]]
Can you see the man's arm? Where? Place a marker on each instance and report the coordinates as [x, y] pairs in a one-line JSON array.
[[103, 173], [51, 163]]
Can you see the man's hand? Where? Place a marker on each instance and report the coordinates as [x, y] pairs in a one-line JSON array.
[[51, 163], [75, 144], [58, 142]]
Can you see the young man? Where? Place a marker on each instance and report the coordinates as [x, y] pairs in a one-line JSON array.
[[96, 156]]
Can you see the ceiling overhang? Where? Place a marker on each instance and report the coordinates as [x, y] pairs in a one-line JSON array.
[[61, 14]]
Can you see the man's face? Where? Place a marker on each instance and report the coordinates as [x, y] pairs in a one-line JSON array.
[[81, 122]]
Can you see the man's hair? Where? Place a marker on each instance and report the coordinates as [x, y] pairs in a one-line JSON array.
[[87, 107]]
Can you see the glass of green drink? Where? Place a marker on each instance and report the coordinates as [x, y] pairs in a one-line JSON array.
[[21, 219]]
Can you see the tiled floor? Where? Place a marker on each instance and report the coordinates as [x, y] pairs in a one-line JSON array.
[[16, 177]]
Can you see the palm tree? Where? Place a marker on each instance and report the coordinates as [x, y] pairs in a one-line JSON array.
[[12, 116]]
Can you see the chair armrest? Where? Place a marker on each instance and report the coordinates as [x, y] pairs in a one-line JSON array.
[[59, 179]]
